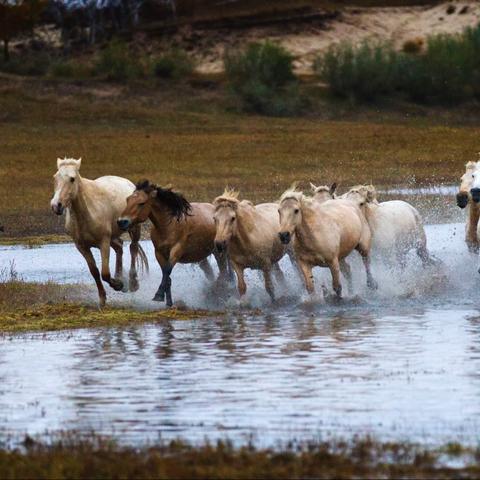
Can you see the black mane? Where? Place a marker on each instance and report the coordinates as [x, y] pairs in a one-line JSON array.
[[177, 205]]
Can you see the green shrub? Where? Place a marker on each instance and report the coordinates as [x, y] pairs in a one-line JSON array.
[[362, 73], [448, 70], [175, 64], [69, 69], [262, 79], [116, 62], [34, 64]]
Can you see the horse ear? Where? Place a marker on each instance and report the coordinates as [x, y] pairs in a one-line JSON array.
[[79, 163], [313, 187], [59, 162], [333, 188]]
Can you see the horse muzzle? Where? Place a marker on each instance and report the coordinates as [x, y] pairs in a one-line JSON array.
[[285, 237], [221, 246], [475, 192], [58, 209], [123, 224], [462, 200]]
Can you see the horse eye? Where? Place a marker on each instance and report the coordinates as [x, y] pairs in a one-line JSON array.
[[141, 204], [473, 176], [233, 219], [296, 210]]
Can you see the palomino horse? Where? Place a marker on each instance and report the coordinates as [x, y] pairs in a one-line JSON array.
[[250, 235], [92, 208], [182, 232], [323, 192], [396, 226], [324, 234], [464, 199]]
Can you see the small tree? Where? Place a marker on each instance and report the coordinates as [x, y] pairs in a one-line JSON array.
[[17, 16]]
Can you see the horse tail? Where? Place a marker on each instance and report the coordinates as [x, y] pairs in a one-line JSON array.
[[142, 260]]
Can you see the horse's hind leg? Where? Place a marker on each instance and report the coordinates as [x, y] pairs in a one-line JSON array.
[[371, 283], [334, 267], [347, 273], [207, 269], [92, 266], [133, 276], [117, 245]]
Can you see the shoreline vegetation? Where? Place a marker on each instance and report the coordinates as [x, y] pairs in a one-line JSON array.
[[48, 307], [73, 455]]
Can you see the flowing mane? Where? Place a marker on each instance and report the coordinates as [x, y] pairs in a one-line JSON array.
[[293, 193], [176, 203], [229, 197]]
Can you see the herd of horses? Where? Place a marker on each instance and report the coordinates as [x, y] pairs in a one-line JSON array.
[[320, 229]]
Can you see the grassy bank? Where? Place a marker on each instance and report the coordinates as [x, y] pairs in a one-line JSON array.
[[72, 457], [32, 307], [185, 136]]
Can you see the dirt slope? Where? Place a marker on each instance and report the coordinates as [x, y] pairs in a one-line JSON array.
[[306, 39]]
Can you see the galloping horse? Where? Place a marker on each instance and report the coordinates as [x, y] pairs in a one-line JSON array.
[[182, 232], [250, 235], [323, 193], [92, 208], [324, 234], [396, 226], [464, 199]]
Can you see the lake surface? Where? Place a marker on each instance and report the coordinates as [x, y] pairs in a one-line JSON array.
[[402, 363]]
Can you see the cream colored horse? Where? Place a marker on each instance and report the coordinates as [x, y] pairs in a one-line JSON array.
[[182, 232], [250, 235], [92, 208], [323, 193], [324, 234], [464, 199], [396, 226]]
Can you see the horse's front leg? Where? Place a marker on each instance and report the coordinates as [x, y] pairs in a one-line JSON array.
[[267, 275], [166, 270], [207, 269], [471, 237], [242, 286], [106, 277], [92, 266], [306, 270]]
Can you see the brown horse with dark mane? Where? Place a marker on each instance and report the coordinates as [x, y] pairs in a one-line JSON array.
[[182, 231]]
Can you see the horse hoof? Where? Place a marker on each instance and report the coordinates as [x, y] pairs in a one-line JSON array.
[[117, 285], [133, 285]]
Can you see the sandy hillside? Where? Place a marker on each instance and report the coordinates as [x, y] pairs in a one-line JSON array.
[[306, 40]]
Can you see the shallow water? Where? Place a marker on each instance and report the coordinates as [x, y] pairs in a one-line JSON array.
[[402, 363]]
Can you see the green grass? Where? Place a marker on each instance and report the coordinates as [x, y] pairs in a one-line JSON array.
[[71, 456]]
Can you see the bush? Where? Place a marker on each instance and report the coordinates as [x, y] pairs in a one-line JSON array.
[[363, 73], [34, 64], [69, 69], [262, 78], [116, 62], [448, 71], [175, 64]]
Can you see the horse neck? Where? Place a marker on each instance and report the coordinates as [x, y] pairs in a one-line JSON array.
[[303, 232], [80, 207], [160, 217], [245, 224]]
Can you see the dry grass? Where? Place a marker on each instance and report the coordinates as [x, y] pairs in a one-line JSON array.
[[184, 137], [94, 457]]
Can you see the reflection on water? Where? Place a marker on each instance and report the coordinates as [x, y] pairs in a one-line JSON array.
[[270, 377]]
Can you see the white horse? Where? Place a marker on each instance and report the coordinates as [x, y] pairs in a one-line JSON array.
[[469, 188], [92, 208], [323, 193], [323, 235], [396, 226]]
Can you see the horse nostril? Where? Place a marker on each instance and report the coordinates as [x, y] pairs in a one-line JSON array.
[[220, 246], [123, 224], [284, 237]]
